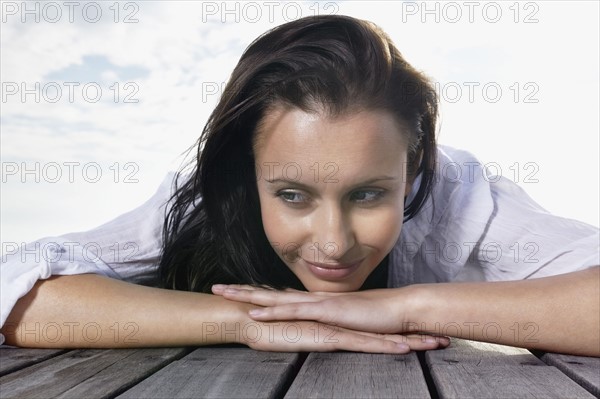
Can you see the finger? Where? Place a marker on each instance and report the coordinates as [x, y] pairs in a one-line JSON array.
[[322, 338], [222, 287], [414, 342], [426, 342], [330, 294], [287, 311], [364, 343], [267, 297], [218, 289]]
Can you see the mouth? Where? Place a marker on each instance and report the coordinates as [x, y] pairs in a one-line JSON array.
[[332, 271]]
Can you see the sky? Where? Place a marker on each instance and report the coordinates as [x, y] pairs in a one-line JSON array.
[[101, 99]]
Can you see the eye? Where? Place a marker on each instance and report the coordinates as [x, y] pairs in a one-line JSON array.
[[292, 197], [366, 196]]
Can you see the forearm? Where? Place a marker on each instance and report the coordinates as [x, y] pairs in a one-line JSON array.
[[559, 313], [95, 311]]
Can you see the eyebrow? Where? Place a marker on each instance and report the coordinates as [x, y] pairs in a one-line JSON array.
[[300, 184]]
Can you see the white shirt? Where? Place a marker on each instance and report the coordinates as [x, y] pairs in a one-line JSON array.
[[474, 227]]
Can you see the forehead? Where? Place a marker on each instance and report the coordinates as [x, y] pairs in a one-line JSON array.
[[356, 142]]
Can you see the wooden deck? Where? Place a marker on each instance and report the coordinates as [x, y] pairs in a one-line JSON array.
[[465, 370]]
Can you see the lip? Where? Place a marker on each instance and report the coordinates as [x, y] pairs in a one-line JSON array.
[[332, 271]]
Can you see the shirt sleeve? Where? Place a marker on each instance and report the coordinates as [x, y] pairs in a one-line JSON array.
[[522, 240], [126, 248], [477, 227]]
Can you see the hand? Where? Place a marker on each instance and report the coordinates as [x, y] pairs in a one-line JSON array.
[[367, 313], [299, 336]]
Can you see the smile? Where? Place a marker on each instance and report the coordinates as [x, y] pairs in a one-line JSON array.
[[332, 271]]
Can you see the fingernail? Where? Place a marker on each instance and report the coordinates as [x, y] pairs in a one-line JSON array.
[[403, 347], [218, 287], [439, 340], [255, 312]]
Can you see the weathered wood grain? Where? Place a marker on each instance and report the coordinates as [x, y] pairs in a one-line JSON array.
[[582, 369], [97, 373], [472, 381], [482, 353], [359, 375], [12, 359], [471, 369], [467, 369], [223, 372]]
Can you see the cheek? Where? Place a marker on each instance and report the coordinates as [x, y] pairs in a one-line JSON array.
[[380, 230], [280, 228]]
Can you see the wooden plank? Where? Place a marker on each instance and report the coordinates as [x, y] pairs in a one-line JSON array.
[[482, 353], [97, 373], [504, 381], [359, 375], [470, 369], [12, 359], [582, 369], [221, 372]]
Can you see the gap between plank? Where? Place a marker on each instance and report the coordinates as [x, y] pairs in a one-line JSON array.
[[285, 386], [428, 378]]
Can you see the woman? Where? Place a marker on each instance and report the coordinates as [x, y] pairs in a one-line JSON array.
[[318, 172]]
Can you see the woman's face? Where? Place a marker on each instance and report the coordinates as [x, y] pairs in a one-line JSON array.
[[331, 192]]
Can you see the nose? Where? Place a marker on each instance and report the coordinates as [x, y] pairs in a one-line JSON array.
[[333, 235]]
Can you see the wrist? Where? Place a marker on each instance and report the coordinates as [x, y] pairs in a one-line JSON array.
[[238, 325], [417, 306], [220, 321]]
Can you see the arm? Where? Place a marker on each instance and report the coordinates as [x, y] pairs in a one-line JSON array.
[[89, 310], [558, 313]]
